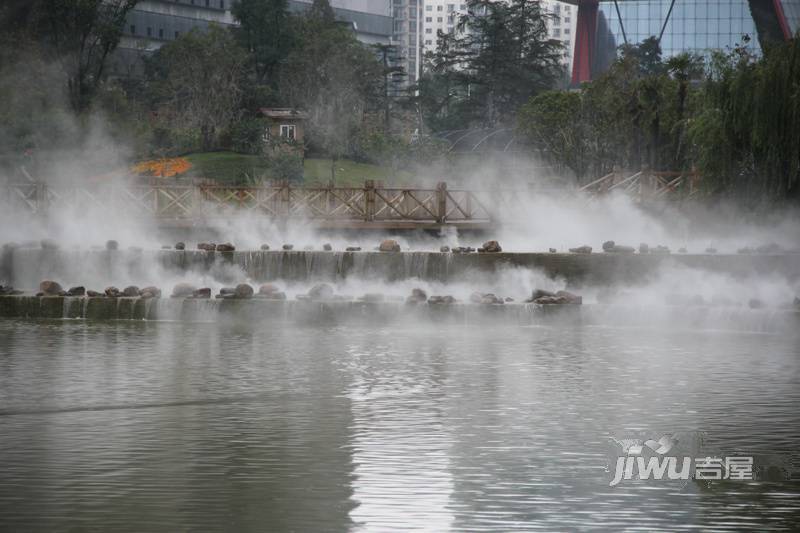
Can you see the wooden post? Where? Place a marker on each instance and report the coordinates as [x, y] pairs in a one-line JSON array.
[[441, 202], [286, 198], [369, 200]]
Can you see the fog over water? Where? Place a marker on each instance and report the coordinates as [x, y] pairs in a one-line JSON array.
[[263, 424]]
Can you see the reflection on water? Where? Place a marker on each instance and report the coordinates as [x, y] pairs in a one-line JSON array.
[[176, 426]]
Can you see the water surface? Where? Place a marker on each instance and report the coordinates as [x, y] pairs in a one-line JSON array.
[[136, 426]]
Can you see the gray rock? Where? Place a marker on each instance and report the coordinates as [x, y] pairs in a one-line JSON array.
[[130, 291], [112, 245], [579, 250], [183, 290], [180, 246], [50, 288], [389, 245], [243, 290], [321, 291]]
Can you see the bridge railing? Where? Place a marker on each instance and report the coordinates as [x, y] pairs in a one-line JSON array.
[[646, 185], [281, 200]]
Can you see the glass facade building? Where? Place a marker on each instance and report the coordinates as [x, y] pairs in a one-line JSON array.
[[697, 26]]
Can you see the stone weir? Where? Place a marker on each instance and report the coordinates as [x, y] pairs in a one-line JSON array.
[[25, 267], [265, 312]]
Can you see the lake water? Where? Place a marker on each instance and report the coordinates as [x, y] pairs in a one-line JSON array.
[[167, 426]]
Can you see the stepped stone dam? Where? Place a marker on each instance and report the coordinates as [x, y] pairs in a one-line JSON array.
[[26, 267]]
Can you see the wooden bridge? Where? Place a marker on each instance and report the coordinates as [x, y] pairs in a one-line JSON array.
[[365, 207], [369, 207]]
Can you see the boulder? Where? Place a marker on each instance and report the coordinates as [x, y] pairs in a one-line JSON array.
[[490, 247], [490, 299], [441, 300], [288, 247], [579, 250], [207, 246], [462, 250], [569, 297], [660, 250], [476, 297], [509, 299], [267, 289], [620, 249], [276, 296], [711, 250], [389, 245], [353, 249], [373, 297], [681, 250], [183, 290], [321, 291], [50, 288], [608, 245], [327, 247], [180, 245], [265, 247], [539, 293], [755, 303], [49, 244], [202, 293], [243, 290], [553, 250], [227, 291], [8, 291], [444, 249], [130, 291], [559, 298], [417, 296], [112, 245], [226, 247], [94, 294], [154, 292], [308, 248], [112, 291], [166, 247], [644, 248]]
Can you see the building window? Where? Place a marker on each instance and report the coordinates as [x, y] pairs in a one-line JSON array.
[[557, 32], [567, 20], [428, 30], [208, 3], [133, 29], [428, 42], [566, 31], [451, 7], [177, 34], [438, 19], [428, 8], [438, 8], [222, 4], [287, 131], [161, 33], [149, 31], [428, 19]]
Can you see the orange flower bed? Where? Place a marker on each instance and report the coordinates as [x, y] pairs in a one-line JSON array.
[[162, 168]]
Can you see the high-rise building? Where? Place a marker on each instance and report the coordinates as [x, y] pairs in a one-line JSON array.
[[154, 22], [443, 15], [697, 26]]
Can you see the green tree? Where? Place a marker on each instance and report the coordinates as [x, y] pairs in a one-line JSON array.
[[335, 78], [195, 82], [265, 31], [503, 57], [79, 35]]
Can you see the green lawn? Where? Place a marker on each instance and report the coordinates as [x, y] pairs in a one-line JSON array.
[[230, 167]]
